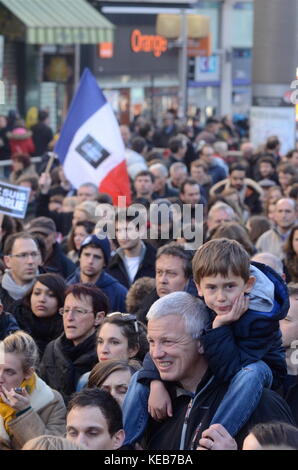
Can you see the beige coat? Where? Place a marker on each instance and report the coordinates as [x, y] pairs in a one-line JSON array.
[[47, 416]]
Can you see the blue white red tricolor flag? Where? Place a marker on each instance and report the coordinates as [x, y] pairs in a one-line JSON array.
[[90, 145]]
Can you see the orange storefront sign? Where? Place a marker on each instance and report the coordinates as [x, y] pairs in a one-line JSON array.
[[105, 50], [148, 43], [199, 47]]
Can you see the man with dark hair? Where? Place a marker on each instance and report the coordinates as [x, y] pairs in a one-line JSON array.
[[273, 147], [286, 173], [292, 157], [22, 258], [249, 191], [74, 352], [178, 147], [42, 134], [94, 419], [173, 273], [210, 132], [216, 167], [134, 258], [55, 259], [266, 169], [94, 256], [190, 193], [144, 185], [162, 136]]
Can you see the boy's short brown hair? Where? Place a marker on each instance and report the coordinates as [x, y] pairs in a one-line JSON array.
[[220, 256]]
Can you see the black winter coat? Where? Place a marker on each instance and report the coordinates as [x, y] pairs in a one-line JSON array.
[[168, 434], [59, 263], [63, 363], [42, 330]]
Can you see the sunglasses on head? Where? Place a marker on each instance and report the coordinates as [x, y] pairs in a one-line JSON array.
[[127, 317]]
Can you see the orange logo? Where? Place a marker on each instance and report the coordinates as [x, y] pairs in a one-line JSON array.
[[148, 43]]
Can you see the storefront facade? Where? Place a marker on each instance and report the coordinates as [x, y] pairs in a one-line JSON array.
[[141, 77]]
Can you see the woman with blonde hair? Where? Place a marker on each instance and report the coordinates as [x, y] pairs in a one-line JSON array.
[[28, 406]]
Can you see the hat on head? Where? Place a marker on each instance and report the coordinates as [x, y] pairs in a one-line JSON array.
[[102, 243], [43, 225]]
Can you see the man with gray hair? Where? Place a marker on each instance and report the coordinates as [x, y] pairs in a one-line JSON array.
[[271, 260], [161, 187], [178, 174], [220, 212], [285, 217], [176, 324]]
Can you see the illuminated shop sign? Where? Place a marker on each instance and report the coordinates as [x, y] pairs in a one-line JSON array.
[[148, 43]]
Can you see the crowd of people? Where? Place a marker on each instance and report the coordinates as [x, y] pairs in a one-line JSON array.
[[127, 341]]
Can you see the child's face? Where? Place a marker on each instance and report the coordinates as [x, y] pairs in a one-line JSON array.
[[220, 292]]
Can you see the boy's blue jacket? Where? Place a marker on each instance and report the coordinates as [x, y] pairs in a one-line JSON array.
[[255, 336]]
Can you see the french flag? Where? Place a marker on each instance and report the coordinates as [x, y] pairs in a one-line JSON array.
[[90, 145]]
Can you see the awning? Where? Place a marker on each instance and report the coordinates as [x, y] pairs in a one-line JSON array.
[[60, 21]]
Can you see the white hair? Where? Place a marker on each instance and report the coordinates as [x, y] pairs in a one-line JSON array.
[[271, 260], [162, 169], [222, 206], [177, 166], [190, 308]]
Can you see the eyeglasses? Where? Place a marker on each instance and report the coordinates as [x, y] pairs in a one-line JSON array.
[[127, 317], [76, 311], [33, 255]]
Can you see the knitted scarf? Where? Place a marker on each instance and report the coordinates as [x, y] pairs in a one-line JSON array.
[[15, 290]]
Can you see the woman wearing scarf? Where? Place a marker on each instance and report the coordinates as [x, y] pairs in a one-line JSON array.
[[38, 312], [28, 406]]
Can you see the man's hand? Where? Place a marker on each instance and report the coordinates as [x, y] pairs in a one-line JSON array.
[[239, 308], [159, 403], [216, 437], [44, 183]]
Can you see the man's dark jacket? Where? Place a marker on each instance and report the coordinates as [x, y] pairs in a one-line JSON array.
[[116, 267], [63, 363], [168, 434], [115, 291], [59, 263]]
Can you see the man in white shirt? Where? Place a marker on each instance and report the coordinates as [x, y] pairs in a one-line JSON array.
[[134, 258]]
